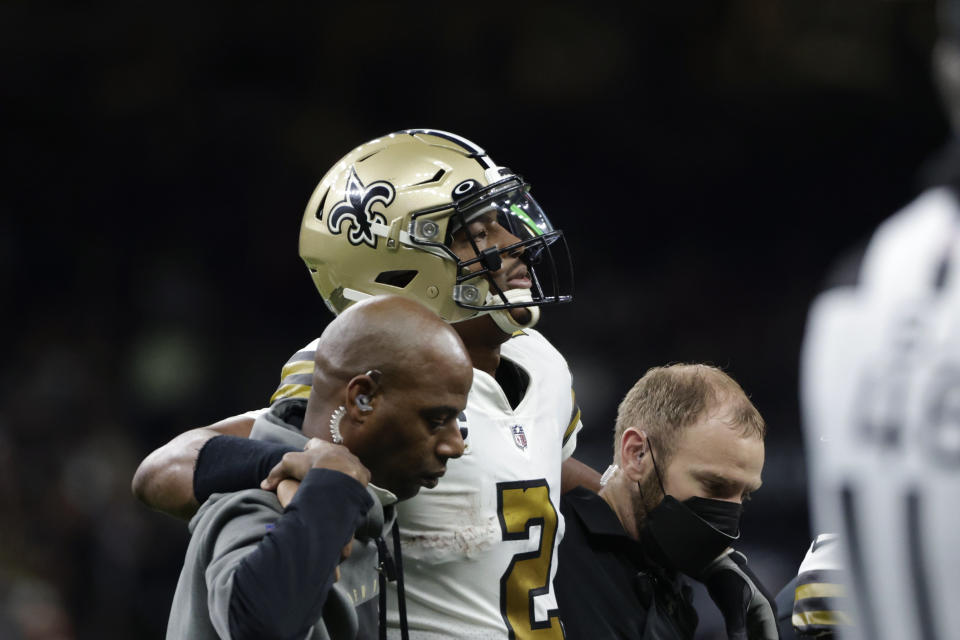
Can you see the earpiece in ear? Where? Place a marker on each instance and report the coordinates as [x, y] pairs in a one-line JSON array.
[[363, 403]]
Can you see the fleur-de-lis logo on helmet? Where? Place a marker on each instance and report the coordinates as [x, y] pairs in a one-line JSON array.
[[356, 207]]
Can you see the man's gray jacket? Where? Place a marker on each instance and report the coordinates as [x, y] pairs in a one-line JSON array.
[[255, 570]]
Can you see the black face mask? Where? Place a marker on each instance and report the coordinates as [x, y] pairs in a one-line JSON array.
[[687, 536]]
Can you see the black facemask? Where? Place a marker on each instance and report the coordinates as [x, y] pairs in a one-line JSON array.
[[680, 538], [687, 536]]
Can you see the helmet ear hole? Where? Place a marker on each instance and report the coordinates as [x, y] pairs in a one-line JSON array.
[[399, 279]]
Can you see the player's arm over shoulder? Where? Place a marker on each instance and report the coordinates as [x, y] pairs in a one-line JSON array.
[[164, 480]]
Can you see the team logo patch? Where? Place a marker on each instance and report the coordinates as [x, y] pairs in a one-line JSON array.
[[356, 207], [519, 437]]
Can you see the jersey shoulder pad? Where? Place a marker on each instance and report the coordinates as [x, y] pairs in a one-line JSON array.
[[297, 374], [819, 604]]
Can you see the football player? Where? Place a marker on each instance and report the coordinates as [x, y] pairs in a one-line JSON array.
[[428, 215], [881, 392], [881, 396]]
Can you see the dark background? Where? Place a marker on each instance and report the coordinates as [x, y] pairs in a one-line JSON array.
[[707, 160]]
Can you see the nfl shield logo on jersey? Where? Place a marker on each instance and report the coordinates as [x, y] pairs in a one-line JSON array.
[[519, 437]]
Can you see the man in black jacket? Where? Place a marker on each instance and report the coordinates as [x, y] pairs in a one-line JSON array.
[[688, 450]]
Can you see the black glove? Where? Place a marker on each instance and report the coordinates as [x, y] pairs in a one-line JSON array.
[[748, 609]]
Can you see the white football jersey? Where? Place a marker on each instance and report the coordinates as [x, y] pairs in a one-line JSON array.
[[479, 550], [881, 399]]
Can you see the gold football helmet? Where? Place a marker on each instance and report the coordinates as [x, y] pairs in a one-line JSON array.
[[381, 221]]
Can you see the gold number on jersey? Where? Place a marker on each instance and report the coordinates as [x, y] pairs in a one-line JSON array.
[[521, 505]]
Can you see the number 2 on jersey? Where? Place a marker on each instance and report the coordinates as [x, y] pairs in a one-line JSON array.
[[521, 505]]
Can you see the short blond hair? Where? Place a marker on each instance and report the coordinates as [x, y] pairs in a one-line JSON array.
[[668, 399]]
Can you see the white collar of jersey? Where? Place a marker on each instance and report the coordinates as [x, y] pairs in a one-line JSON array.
[[385, 497]]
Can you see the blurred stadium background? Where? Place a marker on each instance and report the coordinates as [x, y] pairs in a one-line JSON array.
[[708, 161]]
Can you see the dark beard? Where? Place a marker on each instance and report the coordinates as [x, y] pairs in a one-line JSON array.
[[645, 500]]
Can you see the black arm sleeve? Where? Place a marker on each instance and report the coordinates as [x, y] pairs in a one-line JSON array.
[[280, 587], [228, 463]]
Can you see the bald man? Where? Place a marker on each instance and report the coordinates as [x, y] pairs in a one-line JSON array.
[[390, 380]]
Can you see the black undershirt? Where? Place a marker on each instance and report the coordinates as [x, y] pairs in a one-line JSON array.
[[513, 380]]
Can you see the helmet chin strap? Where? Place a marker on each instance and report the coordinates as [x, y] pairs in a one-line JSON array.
[[504, 319]]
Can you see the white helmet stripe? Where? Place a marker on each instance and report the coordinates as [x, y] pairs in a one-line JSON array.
[[480, 154]]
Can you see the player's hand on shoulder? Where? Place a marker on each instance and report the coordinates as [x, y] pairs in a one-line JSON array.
[[318, 454]]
